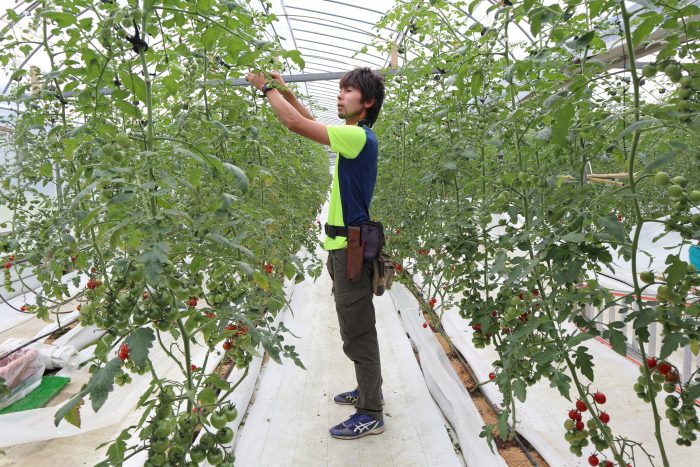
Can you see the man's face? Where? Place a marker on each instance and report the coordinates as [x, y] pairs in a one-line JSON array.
[[349, 106]]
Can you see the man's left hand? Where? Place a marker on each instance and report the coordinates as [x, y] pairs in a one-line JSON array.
[[256, 79]]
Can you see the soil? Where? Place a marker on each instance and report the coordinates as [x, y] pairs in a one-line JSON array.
[[61, 331], [511, 453]]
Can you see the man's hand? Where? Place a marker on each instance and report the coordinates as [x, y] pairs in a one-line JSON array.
[[256, 79], [278, 77]]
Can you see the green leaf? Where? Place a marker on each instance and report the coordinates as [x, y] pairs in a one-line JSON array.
[[83, 193], [295, 55], [116, 451], [562, 123], [102, 383], [206, 396], [660, 160], [546, 356], [71, 410], [140, 342], [638, 125], [584, 362], [62, 19], [154, 260], [477, 79], [618, 341], [645, 28], [574, 237], [216, 381], [614, 227], [228, 243], [520, 389], [138, 87], [245, 267], [583, 41], [671, 342], [261, 280], [561, 382], [676, 270], [239, 174]]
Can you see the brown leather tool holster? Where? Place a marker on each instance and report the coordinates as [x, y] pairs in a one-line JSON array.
[[355, 253]]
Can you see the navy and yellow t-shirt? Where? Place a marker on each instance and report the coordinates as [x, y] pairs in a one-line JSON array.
[[353, 180]]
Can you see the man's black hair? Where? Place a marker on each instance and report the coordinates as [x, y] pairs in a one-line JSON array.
[[371, 86]]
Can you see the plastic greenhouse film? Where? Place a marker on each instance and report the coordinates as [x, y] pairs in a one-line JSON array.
[[444, 385]]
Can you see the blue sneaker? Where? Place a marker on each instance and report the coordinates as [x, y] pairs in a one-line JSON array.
[[357, 426], [347, 398], [350, 397]]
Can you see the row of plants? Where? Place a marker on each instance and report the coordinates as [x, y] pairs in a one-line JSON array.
[[178, 200], [486, 138]]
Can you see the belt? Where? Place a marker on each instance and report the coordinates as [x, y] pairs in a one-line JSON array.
[[334, 231]]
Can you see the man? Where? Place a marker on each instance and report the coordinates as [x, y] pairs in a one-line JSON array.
[[360, 99]]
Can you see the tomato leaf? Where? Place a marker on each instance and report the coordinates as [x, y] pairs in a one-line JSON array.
[[102, 383], [140, 342], [62, 19], [154, 260], [584, 362], [239, 174], [561, 382], [671, 343]]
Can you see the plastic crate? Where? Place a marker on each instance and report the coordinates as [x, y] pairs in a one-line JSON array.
[[694, 254]]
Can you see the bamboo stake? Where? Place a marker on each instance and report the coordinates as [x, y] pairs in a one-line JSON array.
[[617, 175]]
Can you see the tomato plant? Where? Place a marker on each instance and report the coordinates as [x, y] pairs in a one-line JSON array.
[[488, 135], [176, 197]]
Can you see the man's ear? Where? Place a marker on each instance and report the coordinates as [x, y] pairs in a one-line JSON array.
[[368, 104]]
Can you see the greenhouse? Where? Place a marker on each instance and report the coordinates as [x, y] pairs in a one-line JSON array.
[[370, 233]]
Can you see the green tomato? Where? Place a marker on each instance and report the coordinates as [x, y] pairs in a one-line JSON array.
[[137, 15], [647, 277], [680, 181], [671, 402], [218, 420], [176, 454], [694, 196], [569, 425], [675, 191], [207, 441], [649, 70], [197, 455], [158, 459], [108, 150], [187, 422], [662, 179], [687, 82], [673, 71], [163, 430], [215, 456], [122, 139], [160, 445], [224, 435], [231, 412]]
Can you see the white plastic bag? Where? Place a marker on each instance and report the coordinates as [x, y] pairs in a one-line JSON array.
[[22, 372], [53, 356]]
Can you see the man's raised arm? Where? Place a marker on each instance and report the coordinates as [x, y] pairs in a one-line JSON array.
[[291, 98], [289, 115]]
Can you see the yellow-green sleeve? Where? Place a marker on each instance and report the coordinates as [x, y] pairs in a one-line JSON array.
[[347, 140]]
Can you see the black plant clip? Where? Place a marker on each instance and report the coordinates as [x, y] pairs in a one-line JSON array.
[[137, 44]]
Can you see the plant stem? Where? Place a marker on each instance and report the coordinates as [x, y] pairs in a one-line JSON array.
[[640, 222]]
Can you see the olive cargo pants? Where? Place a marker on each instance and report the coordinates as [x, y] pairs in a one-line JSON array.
[[353, 303]]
